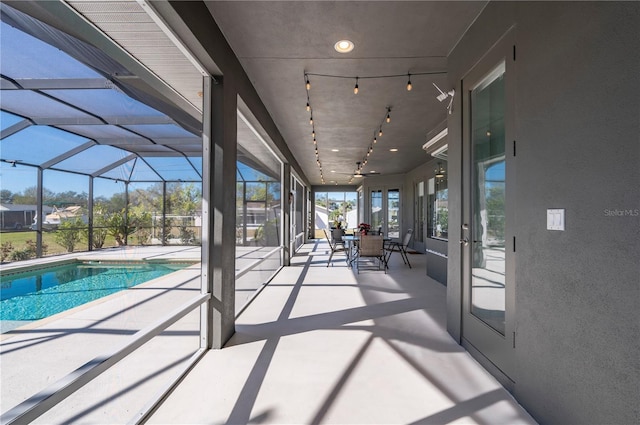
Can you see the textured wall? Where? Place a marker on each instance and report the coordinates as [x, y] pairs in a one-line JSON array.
[[578, 132]]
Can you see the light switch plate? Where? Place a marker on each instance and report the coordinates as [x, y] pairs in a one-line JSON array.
[[555, 219]]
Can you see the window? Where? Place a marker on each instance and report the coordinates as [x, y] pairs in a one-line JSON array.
[[438, 206], [336, 207]]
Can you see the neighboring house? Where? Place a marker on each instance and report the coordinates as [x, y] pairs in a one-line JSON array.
[[19, 216], [322, 218], [54, 216]]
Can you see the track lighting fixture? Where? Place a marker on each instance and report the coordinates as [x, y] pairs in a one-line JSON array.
[[355, 89], [409, 86], [442, 96]]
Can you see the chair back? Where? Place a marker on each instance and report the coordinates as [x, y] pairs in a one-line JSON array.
[[337, 235], [407, 238], [371, 246], [326, 235]]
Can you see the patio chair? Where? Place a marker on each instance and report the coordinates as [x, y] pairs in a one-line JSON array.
[[336, 245], [399, 246], [371, 247]]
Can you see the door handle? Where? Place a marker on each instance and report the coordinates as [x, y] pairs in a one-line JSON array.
[[464, 241]]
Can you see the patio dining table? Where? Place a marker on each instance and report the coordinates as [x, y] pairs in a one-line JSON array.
[[350, 241]]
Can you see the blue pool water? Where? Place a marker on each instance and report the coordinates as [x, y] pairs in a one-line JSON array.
[[43, 293]]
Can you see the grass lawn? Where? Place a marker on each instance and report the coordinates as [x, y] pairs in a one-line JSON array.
[[19, 241]]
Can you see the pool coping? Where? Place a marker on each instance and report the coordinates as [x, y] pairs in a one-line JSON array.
[[57, 261]]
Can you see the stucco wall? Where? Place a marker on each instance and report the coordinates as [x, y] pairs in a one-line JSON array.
[[578, 147]]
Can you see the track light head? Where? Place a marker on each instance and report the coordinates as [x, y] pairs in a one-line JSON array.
[[442, 96]]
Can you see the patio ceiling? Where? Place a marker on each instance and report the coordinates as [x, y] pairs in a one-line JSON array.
[[277, 42]]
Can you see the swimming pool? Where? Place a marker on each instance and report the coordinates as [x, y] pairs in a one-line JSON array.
[[34, 295]]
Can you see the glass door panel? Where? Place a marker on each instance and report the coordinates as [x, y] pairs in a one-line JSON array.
[[487, 229], [377, 212], [488, 202], [419, 202], [393, 212]]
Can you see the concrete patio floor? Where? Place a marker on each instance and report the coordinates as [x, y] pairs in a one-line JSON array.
[[324, 345], [318, 345]]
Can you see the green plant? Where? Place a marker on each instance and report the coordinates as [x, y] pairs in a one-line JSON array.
[[5, 251], [143, 235], [120, 227], [442, 220], [29, 251], [267, 234], [167, 225], [69, 233], [187, 234], [33, 246], [99, 237], [22, 254], [99, 226]]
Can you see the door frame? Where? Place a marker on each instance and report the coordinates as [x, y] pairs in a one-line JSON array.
[[494, 350], [385, 207], [420, 245]]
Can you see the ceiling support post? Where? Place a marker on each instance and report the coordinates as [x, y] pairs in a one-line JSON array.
[[219, 138]]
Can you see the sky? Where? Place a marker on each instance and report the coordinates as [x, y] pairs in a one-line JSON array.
[[17, 179]]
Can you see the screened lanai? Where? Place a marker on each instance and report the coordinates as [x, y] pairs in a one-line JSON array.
[[79, 151], [89, 161]]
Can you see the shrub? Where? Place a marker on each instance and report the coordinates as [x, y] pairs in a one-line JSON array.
[[5, 251], [120, 225], [99, 226], [69, 233]]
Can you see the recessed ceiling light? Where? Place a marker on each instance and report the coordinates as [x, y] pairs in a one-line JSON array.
[[372, 171], [344, 46], [335, 150], [333, 171], [393, 150]]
